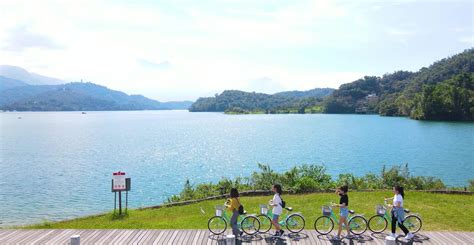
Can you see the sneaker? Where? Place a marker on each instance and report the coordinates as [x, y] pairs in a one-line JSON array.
[[393, 235], [409, 236], [349, 237], [276, 233], [337, 238], [281, 233]]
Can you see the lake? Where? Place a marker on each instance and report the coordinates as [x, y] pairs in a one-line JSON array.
[[58, 165]]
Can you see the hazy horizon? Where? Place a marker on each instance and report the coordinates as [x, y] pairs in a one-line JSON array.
[[183, 50]]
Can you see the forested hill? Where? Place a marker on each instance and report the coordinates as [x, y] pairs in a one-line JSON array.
[[235, 101], [443, 91], [78, 96]]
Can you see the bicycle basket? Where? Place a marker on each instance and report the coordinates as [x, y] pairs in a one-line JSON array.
[[263, 209], [380, 210], [326, 210], [219, 210]]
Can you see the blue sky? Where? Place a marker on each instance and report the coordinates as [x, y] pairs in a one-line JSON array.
[[173, 50]]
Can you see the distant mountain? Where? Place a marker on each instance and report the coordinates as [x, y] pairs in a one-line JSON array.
[[442, 91], [20, 74], [77, 97], [19, 90], [8, 83], [235, 101], [316, 93]]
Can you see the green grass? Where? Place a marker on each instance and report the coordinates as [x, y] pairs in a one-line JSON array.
[[438, 211]]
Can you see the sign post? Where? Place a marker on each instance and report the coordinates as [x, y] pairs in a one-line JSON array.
[[120, 183]]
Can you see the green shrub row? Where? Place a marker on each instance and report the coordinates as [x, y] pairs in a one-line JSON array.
[[311, 178]]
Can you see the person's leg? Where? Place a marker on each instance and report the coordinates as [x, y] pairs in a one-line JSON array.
[[404, 229], [275, 222], [394, 222], [342, 220], [233, 223]]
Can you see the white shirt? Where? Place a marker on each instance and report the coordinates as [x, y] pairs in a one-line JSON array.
[[398, 198], [277, 201]]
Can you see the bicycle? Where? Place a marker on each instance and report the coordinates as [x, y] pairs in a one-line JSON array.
[[325, 223], [379, 222], [294, 222], [217, 224]]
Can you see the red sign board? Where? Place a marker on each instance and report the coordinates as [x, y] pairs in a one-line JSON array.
[[118, 181]]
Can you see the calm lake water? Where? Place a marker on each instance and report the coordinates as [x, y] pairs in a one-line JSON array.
[[58, 165]]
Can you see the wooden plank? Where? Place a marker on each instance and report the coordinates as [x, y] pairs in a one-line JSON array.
[[189, 239], [106, 237], [60, 237], [9, 236], [21, 236], [172, 237], [143, 237], [158, 239], [39, 238], [95, 237], [120, 236], [152, 235], [90, 235], [166, 236], [132, 236], [33, 236], [48, 237], [25, 235]]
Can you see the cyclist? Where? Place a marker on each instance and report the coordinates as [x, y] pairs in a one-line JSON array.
[[276, 203], [233, 204], [343, 209], [398, 213]]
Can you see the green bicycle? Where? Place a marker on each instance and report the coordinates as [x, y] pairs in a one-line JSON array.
[[217, 225], [379, 222], [325, 223], [294, 222]]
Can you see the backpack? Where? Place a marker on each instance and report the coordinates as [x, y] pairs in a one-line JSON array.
[[241, 209]]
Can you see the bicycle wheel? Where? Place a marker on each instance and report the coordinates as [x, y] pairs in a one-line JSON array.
[[377, 224], [250, 225], [413, 223], [265, 223], [357, 225], [295, 223], [323, 225], [217, 225]]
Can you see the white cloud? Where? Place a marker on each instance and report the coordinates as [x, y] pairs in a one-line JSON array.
[[181, 50]]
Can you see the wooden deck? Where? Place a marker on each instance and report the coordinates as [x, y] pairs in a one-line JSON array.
[[203, 237]]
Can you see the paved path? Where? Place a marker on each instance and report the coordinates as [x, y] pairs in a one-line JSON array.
[[203, 237]]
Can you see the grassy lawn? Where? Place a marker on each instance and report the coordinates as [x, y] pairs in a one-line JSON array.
[[438, 211]]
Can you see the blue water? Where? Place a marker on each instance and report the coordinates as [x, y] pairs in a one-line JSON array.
[[58, 165]]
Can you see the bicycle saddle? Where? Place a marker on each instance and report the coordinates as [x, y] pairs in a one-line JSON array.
[[407, 210], [289, 208], [351, 211]]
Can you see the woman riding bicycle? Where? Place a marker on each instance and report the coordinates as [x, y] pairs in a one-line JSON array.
[[398, 213]]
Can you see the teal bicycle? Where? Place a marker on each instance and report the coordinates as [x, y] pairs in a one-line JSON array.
[[294, 222], [379, 222], [217, 225], [325, 223]]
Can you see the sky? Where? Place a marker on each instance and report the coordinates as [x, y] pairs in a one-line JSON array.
[[185, 49]]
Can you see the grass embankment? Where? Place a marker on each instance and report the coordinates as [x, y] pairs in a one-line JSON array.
[[438, 211]]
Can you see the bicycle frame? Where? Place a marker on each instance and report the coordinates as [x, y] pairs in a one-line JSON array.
[[283, 217], [227, 217], [336, 220]]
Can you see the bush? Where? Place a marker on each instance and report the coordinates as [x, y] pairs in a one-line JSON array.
[[307, 178]]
